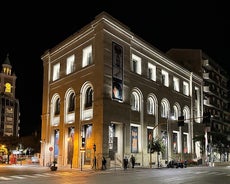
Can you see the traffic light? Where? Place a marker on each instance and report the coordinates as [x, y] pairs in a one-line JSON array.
[[82, 142], [181, 121], [207, 118]]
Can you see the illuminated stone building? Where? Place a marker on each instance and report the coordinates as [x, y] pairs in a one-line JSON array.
[[107, 92], [9, 105]]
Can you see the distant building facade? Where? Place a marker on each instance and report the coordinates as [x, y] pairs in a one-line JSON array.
[[9, 105], [106, 92], [216, 92]]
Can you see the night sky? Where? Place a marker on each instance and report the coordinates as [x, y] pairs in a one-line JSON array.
[[29, 29]]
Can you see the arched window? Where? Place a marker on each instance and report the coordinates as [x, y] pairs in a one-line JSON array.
[[134, 101], [71, 102], [163, 110], [57, 107], [89, 98], [150, 106], [175, 112], [186, 114]]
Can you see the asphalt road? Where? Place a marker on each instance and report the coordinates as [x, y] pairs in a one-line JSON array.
[[43, 175]]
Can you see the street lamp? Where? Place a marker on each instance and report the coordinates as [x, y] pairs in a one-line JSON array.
[[70, 151], [170, 117], [150, 139], [167, 141], [43, 141], [82, 150], [94, 149]]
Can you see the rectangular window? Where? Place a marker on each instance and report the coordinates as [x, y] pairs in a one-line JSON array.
[[117, 72], [175, 142], [134, 139], [149, 139], [151, 72], [197, 104], [165, 78], [56, 71], [87, 56], [70, 67], [185, 88], [56, 144], [176, 84], [185, 141], [136, 64]]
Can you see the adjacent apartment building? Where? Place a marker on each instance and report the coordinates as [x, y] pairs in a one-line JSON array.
[[216, 93], [107, 92]]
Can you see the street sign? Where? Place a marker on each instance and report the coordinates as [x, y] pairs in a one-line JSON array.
[[50, 149], [82, 149]]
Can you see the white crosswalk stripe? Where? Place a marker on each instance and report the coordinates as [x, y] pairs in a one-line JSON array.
[[5, 178], [30, 176], [18, 177], [212, 173]]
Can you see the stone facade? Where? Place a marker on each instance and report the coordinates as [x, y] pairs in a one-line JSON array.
[[106, 92]]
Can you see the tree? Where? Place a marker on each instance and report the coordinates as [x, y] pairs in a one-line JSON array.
[[11, 142], [157, 146], [221, 141]]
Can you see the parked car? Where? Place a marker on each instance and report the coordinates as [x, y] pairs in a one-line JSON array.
[[176, 164], [34, 159]]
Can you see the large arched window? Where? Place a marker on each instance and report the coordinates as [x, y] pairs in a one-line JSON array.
[[135, 101], [89, 98], [57, 107], [165, 108], [175, 112], [69, 112], [186, 114], [71, 105], [55, 110], [86, 101], [150, 106]]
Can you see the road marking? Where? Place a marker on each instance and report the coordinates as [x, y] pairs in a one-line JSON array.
[[18, 177], [220, 173], [200, 172], [29, 176], [5, 178]]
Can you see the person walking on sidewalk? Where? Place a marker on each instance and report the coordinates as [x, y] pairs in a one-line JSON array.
[[132, 160], [126, 163], [103, 163]]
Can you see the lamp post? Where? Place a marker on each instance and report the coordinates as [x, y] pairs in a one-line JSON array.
[[94, 150], [82, 150], [43, 151], [150, 148], [167, 143], [170, 119]]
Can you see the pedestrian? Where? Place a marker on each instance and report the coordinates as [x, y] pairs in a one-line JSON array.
[[125, 163], [132, 160], [103, 163]]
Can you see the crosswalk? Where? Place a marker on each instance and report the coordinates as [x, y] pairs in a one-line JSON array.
[[178, 178], [66, 173], [21, 177]]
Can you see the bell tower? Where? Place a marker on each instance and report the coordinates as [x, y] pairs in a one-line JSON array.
[[9, 105]]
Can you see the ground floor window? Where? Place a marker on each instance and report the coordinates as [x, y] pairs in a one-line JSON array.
[[134, 139]]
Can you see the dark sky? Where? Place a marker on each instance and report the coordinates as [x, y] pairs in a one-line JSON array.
[[29, 29]]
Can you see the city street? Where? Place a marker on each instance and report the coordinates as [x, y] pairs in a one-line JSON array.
[[38, 175]]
